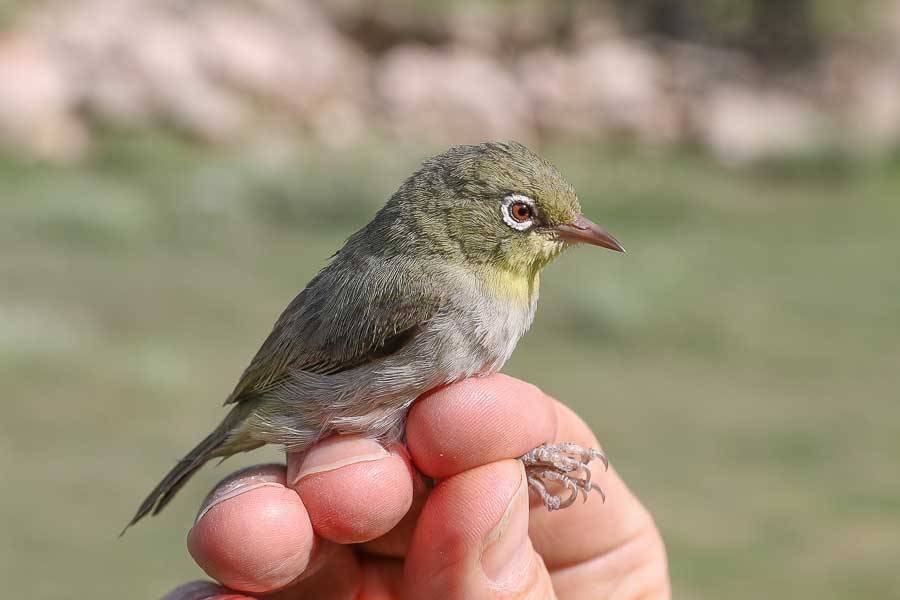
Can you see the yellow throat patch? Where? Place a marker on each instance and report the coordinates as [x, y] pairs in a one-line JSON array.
[[507, 285]]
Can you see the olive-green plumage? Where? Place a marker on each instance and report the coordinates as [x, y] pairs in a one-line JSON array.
[[439, 286]]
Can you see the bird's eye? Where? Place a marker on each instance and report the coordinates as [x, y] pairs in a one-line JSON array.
[[518, 211]]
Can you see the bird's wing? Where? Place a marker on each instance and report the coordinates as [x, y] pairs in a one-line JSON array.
[[347, 316]]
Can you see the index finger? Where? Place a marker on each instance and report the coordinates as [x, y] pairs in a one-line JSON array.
[[478, 421], [483, 420]]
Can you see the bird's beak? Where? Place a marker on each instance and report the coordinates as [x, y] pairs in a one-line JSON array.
[[583, 230]]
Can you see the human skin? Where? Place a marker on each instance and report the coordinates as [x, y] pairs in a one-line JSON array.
[[352, 520]]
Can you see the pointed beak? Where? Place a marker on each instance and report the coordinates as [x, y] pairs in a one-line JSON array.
[[584, 231]]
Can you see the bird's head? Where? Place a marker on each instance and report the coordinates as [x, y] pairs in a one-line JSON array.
[[501, 205]]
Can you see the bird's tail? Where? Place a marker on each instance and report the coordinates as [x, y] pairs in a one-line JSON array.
[[216, 444]]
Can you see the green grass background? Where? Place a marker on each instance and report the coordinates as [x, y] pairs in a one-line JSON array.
[[741, 364]]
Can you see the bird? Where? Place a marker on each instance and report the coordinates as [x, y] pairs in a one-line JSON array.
[[438, 287]]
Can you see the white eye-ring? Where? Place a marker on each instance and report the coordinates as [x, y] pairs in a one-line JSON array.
[[518, 211]]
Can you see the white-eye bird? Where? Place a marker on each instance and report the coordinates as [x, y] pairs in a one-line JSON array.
[[439, 286]]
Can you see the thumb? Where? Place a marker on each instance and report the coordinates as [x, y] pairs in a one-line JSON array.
[[471, 540]]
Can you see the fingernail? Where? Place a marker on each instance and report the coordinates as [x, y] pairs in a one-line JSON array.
[[336, 452], [201, 590], [241, 483], [506, 553]]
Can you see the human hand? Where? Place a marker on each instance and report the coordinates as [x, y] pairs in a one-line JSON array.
[[352, 520]]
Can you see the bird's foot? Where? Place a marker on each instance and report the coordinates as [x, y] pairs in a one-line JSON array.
[[566, 464]]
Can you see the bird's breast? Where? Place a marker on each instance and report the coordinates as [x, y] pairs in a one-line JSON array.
[[490, 314]]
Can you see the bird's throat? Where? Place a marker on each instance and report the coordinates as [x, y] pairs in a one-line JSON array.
[[518, 287]]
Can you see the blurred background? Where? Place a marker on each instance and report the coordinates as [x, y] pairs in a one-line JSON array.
[[173, 172]]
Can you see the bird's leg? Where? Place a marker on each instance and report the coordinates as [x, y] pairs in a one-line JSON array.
[[566, 464]]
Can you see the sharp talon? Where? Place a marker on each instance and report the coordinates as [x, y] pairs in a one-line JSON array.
[[604, 460], [562, 462], [572, 497], [600, 491], [599, 455]]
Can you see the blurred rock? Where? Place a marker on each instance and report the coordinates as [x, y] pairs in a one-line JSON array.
[[742, 124], [289, 55], [339, 124], [165, 55], [36, 102], [545, 76], [450, 95], [610, 87], [874, 117], [476, 26], [340, 71], [135, 63], [619, 83], [864, 92]]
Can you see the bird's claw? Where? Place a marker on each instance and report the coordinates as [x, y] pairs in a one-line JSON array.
[[567, 464]]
